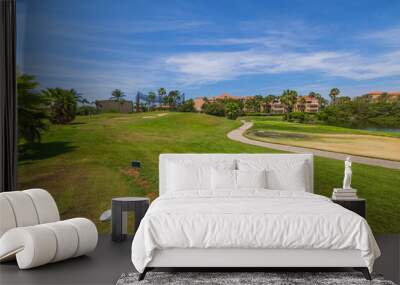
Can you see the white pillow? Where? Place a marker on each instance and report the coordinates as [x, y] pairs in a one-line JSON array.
[[185, 178], [251, 178], [186, 174], [293, 180], [281, 175], [223, 179]]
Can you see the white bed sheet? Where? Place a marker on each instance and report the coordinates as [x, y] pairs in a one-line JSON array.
[[250, 218]]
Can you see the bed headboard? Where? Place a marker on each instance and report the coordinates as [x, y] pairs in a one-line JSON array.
[[203, 158]]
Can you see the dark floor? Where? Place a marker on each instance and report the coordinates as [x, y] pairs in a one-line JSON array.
[[110, 260], [103, 266]]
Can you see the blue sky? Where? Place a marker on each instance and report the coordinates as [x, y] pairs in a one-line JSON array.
[[207, 47]]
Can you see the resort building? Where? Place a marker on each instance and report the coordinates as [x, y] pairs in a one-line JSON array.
[[391, 96], [199, 101], [276, 107], [114, 106], [308, 104]]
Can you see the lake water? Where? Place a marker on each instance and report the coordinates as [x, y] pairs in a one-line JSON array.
[[389, 130]]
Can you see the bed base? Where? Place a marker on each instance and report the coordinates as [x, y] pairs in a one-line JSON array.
[[363, 270], [244, 259]]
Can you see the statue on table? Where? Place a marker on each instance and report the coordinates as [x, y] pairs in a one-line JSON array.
[[347, 174]]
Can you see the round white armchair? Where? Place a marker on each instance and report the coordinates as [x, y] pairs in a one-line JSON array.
[[31, 230]]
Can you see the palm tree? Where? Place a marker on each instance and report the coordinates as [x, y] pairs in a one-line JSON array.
[[172, 98], [258, 102], [205, 103], [333, 94], [268, 100], [182, 98], [31, 109], [250, 104], [289, 99], [312, 94], [151, 97], [162, 92], [302, 104], [63, 105], [321, 100], [79, 98], [117, 95], [384, 98]]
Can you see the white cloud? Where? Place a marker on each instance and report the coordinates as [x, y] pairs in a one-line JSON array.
[[205, 67], [293, 48], [388, 37], [86, 31], [272, 41], [266, 35]]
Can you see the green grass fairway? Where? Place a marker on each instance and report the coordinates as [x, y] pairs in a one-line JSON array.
[[87, 163]]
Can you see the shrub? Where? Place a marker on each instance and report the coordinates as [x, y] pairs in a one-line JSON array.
[[187, 106], [259, 114], [385, 122], [301, 117], [361, 113], [215, 108], [295, 117], [232, 110], [86, 110]]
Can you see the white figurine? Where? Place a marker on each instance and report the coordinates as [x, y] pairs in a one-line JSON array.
[[347, 174]]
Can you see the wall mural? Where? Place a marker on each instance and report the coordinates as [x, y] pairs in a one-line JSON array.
[[103, 84]]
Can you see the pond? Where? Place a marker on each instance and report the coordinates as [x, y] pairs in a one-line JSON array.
[[285, 135], [388, 130]]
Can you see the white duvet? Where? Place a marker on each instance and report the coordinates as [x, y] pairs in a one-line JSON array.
[[250, 219]]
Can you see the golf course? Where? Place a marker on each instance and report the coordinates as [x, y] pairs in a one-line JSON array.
[[86, 163], [376, 144]]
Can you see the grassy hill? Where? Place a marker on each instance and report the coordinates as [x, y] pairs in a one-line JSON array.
[[87, 163]]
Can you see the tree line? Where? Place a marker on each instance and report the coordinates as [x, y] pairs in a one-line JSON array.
[[362, 112], [173, 100], [232, 108]]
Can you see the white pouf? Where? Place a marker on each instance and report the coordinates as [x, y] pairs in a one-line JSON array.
[[31, 232]]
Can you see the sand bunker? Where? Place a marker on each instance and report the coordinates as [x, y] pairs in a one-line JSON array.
[[155, 116], [364, 145]]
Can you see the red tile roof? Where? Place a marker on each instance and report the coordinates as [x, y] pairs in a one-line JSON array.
[[224, 96], [381, 92]]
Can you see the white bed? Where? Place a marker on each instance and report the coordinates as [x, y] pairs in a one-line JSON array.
[[248, 227]]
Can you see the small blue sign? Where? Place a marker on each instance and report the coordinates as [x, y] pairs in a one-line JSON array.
[[136, 164]]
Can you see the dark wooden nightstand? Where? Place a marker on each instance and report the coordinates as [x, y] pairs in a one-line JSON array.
[[119, 207], [358, 205]]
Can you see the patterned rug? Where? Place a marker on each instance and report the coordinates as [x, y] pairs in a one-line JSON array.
[[269, 278]]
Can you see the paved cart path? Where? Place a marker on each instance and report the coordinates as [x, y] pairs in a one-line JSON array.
[[237, 135]]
